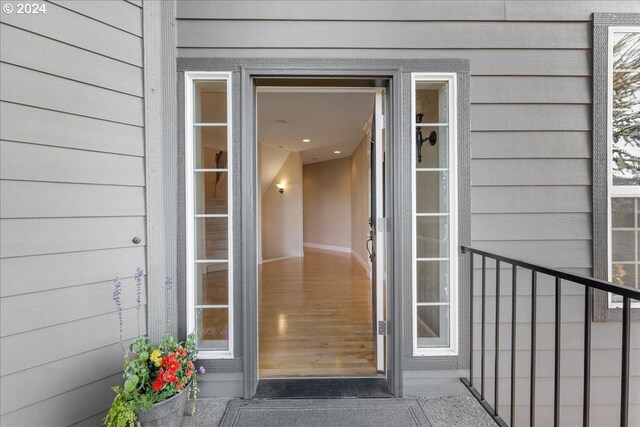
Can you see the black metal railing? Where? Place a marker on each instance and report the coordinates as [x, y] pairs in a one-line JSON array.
[[589, 285]]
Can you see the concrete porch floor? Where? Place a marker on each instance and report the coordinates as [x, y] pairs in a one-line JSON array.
[[456, 409]]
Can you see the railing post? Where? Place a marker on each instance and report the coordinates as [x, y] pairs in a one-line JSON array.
[[496, 369], [586, 381], [514, 280], [471, 319], [532, 388], [624, 380], [483, 312], [557, 350]]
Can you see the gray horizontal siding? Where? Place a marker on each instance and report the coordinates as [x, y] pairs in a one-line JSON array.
[[530, 117], [68, 130], [513, 10], [24, 86], [65, 409], [491, 62], [530, 90], [38, 236], [72, 186], [536, 144], [65, 375], [119, 14], [68, 61], [524, 172], [31, 162], [82, 32], [71, 304], [531, 199], [381, 34], [61, 270], [61, 341], [50, 199], [540, 226]]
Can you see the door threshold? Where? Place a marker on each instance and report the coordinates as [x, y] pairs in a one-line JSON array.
[[322, 388]]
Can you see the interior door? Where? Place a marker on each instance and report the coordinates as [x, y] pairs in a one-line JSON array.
[[377, 233]]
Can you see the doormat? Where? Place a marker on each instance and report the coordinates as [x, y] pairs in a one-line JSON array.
[[325, 413], [319, 388]]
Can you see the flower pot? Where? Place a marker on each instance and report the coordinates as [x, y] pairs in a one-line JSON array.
[[167, 413]]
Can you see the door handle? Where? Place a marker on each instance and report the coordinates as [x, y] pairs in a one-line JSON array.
[[370, 251]]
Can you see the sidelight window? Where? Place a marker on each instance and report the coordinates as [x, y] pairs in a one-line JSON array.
[[434, 214], [209, 212]]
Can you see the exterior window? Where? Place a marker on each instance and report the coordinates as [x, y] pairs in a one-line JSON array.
[[624, 158], [434, 215], [209, 212]]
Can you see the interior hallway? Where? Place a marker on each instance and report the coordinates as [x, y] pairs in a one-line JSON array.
[[315, 317]]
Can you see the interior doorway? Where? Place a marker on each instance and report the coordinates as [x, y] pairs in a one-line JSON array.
[[321, 282]]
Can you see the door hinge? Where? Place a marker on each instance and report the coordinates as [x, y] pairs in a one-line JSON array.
[[382, 327], [382, 225], [380, 121]]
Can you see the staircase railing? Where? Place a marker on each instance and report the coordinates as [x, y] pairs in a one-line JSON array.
[[589, 285]]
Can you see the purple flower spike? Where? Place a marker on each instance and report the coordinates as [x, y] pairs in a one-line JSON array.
[[201, 370], [117, 291]]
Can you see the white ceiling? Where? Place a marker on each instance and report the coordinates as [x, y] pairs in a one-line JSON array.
[[332, 121]]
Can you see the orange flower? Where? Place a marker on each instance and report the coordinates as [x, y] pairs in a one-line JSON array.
[[170, 363]]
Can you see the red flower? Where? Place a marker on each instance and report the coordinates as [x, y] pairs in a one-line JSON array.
[[157, 384], [180, 385], [170, 377], [182, 352], [188, 373], [170, 363]]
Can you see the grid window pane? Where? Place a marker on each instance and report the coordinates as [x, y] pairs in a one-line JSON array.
[[432, 154], [212, 284], [210, 101], [626, 109], [625, 241], [213, 328], [211, 193], [432, 192], [433, 281], [211, 238], [210, 147], [433, 326], [432, 238]]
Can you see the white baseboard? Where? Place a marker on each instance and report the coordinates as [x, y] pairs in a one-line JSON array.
[[328, 247], [362, 262], [264, 261]]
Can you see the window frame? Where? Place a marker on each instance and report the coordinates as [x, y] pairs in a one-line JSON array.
[[190, 78], [614, 191], [452, 129], [604, 24]]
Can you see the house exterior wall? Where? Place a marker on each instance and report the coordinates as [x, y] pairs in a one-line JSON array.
[[531, 147], [72, 198]]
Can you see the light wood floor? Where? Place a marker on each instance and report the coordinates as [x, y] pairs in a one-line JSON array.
[[315, 317]]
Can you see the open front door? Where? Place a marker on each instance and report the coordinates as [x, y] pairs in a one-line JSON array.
[[377, 234]]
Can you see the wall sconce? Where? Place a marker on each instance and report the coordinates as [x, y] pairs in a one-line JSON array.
[[280, 188], [432, 138]]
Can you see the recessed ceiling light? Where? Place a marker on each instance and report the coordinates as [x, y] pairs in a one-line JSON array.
[[336, 152], [306, 140]]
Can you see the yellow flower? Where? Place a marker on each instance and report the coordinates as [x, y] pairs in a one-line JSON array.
[[156, 357]]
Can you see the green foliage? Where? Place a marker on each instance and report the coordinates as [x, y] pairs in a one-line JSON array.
[[626, 111], [152, 374], [121, 413]]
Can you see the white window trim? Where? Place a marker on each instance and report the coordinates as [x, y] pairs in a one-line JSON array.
[[618, 190], [189, 79], [452, 350]]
